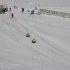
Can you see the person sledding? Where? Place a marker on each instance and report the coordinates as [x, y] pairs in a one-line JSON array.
[[34, 41], [28, 35]]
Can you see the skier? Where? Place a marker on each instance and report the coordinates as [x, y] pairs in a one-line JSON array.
[[12, 15], [22, 10]]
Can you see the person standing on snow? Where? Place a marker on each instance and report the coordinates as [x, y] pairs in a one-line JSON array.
[[35, 8], [9, 9], [12, 15], [22, 10]]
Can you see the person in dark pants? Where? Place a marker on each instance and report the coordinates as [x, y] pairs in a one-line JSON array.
[[22, 10], [12, 15], [32, 12], [9, 9]]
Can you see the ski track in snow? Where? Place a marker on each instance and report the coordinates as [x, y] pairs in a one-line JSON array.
[[42, 55], [27, 24]]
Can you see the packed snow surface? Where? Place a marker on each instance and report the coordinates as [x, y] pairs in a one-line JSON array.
[[52, 34]]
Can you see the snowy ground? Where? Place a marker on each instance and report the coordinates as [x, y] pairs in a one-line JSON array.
[[50, 52]]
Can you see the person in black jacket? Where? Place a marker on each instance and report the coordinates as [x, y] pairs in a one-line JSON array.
[[22, 10], [9, 9]]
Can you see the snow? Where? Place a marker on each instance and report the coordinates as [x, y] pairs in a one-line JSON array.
[[52, 34]]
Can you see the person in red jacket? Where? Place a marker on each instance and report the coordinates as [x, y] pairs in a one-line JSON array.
[[12, 15]]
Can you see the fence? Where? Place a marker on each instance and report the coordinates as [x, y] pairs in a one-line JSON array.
[[56, 13]]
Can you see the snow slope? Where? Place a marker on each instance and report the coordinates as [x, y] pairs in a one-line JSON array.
[[52, 50]]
